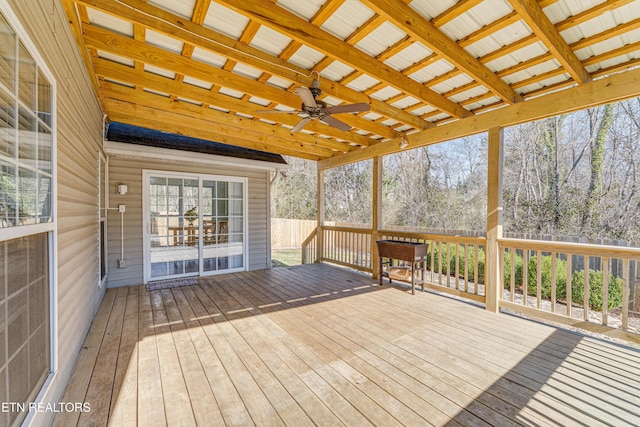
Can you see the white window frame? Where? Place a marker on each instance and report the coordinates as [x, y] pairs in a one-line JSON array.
[[102, 218], [51, 228], [146, 225]]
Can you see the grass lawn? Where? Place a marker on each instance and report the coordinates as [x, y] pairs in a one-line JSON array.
[[286, 257]]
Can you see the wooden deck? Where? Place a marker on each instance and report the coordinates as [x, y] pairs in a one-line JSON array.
[[320, 345]]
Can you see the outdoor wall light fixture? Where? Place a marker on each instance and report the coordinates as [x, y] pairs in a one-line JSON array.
[[404, 142]]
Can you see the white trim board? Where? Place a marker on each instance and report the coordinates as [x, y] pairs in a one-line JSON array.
[[114, 148]]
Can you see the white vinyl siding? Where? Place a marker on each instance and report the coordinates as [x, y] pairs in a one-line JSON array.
[[128, 170], [79, 139]]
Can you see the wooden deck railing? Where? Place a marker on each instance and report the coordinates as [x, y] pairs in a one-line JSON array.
[[347, 246], [576, 284], [309, 248], [455, 264]]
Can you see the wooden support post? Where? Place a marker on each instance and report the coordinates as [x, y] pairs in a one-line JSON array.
[[492, 280], [376, 216], [320, 220]]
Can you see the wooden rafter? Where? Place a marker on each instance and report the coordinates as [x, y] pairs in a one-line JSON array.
[[417, 26], [191, 33], [162, 84], [297, 28], [605, 90], [76, 28], [537, 20], [124, 46], [162, 102]]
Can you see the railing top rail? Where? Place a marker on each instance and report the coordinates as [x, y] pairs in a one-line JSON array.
[[311, 236], [347, 229], [572, 248], [429, 236]]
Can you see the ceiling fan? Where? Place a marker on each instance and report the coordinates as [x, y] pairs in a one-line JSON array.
[[315, 109]]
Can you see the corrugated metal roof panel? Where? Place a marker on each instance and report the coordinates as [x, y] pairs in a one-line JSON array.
[[429, 8], [348, 18], [116, 58], [165, 42], [409, 56], [305, 9], [183, 8], [336, 71], [380, 39], [279, 82], [247, 71], [372, 116], [197, 82], [470, 93], [514, 32], [432, 71], [332, 100], [405, 102], [482, 103], [452, 83], [104, 20], [385, 93], [208, 57], [225, 21], [544, 83], [231, 92], [532, 71], [306, 57], [270, 40], [159, 71], [422, 110], [514, 58], [259, 101], [475, 18], [362, 83]]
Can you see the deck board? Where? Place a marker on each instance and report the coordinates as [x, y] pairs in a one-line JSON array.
[[320, 345]]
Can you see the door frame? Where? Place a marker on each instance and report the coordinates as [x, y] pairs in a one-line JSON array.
[[200, 177]]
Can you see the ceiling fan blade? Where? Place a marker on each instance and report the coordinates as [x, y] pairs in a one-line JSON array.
[[307, 97], [332, 121], [300, 124], [278, 111], [349, 108]]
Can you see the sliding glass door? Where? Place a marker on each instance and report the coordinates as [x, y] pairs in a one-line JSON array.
[[196, 225]]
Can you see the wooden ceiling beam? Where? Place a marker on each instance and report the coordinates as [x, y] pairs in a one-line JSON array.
[[179, 118], [173, 125], [590, 14], [537, 20], [189, 32], [236, 124], [597, 92], [454, 11], [76, 28], [124, 46], [297, 28], [119, 72], [422, 30]]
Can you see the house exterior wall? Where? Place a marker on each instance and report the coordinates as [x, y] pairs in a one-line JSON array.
[[79, 139], [128, 170]]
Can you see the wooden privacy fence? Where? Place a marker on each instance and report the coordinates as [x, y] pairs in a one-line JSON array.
[[290, 233]]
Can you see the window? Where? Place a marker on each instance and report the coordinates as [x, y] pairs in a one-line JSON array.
[[27, 204], [25, 135]]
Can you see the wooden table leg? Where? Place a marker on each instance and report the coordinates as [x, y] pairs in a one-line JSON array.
[[381, 269], [413, 278]]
